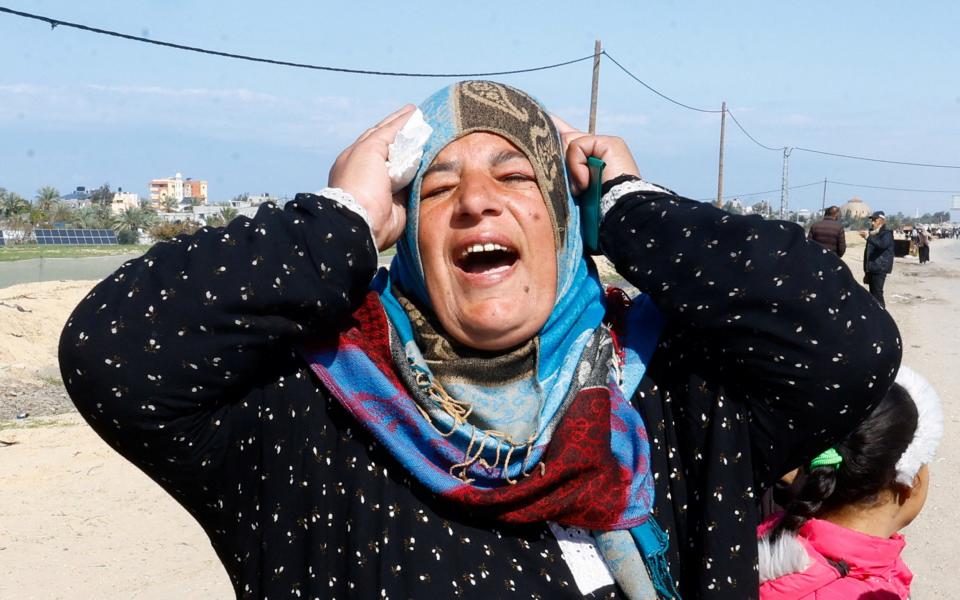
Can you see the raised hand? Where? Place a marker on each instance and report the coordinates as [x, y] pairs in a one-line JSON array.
[[578, 145], [361, 171]]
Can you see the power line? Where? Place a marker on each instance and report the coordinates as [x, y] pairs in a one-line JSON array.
[[880, 160], [836, 154], [895, 189], [753, 139], [792, 187], [644, 84], [764, 146], [687, 106], [57, 22]]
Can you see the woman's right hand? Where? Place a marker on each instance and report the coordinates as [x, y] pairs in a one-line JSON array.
[[361, 171]]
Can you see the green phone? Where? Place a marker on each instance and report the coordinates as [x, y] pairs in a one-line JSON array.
[[589, 203]]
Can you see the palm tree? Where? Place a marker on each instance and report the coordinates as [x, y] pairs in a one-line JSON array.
[[169, 203], [129, 220], [85, 218], [61, 212], [215, 220], [149, 216], [136, 219], [45, 198], [103, 217], [228, 213], [38, 217], [13, 204]]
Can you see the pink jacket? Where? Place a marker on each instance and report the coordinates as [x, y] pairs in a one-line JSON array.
[[797, 567]]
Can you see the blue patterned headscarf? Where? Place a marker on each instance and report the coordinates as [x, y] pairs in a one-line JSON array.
[[473, 106]]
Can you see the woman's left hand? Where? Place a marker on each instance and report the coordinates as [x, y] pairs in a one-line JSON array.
[[578, 145]]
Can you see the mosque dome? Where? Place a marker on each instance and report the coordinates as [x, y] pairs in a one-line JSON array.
[[856, 208]]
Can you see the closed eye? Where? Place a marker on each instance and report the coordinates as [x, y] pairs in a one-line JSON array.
[[517, 177], [435, 192]]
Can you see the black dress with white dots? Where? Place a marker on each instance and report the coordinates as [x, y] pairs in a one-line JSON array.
[[184, 360]]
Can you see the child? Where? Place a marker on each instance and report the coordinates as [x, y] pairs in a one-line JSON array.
[[837, 537]]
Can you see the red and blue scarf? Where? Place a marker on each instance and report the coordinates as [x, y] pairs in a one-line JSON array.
[[586, 461]]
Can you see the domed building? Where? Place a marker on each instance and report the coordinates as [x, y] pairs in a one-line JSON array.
[[856, 208]]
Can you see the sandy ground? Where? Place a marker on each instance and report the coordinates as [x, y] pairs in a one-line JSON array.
[[77, 521]]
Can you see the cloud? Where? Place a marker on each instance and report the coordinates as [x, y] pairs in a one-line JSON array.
[[239, 94], [235, 114], [26, 89]]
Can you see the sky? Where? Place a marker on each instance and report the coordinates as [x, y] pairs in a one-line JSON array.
[[876, 79]]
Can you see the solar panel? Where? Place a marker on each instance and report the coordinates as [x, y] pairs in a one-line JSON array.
[[75, 237]]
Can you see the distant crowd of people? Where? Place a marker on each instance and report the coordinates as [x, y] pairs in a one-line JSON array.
[[880, 248]]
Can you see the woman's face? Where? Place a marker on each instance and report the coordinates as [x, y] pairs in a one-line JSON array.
[[487, 243]]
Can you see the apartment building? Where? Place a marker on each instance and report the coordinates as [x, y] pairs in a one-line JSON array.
[[182, 190], [123, 200]]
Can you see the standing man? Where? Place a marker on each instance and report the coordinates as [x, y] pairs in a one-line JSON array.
[[923, 244], [878, 255], [828, 232]]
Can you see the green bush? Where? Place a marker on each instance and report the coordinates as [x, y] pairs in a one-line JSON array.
[[128, 236], [166, 231]]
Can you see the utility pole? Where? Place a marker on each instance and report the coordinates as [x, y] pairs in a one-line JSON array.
[[823, 203], [723, 124], [784, 183], [595, 89]]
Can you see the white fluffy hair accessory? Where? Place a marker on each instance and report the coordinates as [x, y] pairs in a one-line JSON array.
[[929, 425]]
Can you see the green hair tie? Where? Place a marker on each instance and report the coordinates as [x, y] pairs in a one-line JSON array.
[[828, 458]]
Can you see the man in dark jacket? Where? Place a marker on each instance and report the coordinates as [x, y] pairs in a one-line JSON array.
[[828, 232], [878, 255]]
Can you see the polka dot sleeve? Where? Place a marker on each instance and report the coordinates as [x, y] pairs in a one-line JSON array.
[[165, 345], [777, 321]]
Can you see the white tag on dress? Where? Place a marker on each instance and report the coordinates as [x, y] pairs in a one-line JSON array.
[[581, 554]]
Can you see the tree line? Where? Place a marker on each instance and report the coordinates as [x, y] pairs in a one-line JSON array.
[[894, 221], [49, 210]]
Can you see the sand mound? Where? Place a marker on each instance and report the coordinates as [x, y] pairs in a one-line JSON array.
[[31, 318]]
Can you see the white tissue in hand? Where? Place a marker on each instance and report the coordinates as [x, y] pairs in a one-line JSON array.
[[404, 154]]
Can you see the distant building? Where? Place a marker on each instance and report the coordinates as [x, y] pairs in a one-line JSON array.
[[79, 198], [123, 200], [246, 200], [202, 214], [194, 191], [856, 208], [955, 210], [179, 216]]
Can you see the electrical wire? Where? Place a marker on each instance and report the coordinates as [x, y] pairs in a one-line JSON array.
[[57, 23], [792, 187], [880, 160], [664, 96], [895, 189], [753, 139]]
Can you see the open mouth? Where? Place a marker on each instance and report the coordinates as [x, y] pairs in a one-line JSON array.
[[486, 258]]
